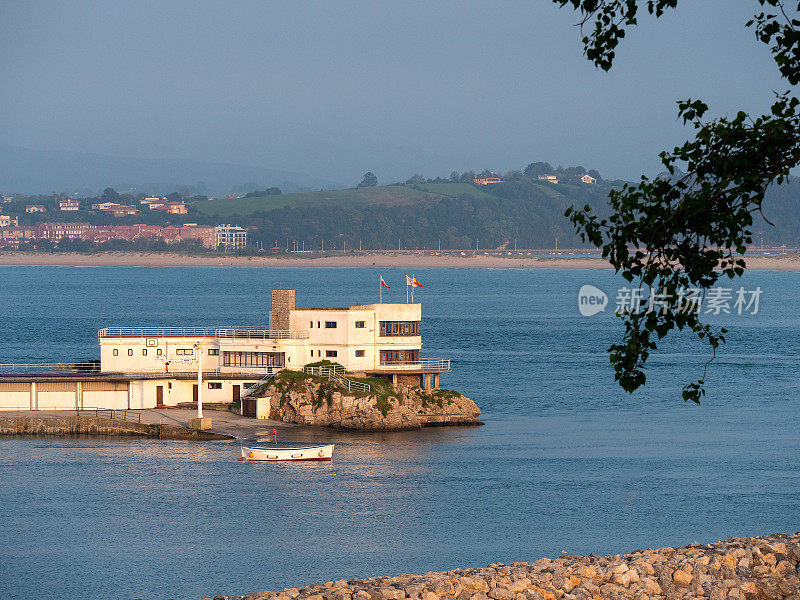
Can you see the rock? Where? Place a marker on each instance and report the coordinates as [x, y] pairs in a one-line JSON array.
[[500, 593]]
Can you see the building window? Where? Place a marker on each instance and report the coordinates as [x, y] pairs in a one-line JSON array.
[[311, 324], [331, 353], [248, 384], [215, 385], [144, 351], [115, 352], [130, 351], [330, 324], [360, 324], [359, 354], [158, 352], [317, 324], [184, 352], [213, 352], [399, 328], [253, 359], [399, 357]]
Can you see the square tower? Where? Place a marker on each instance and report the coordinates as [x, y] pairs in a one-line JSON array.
[[282, 304]]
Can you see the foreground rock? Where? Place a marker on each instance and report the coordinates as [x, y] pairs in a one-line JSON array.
[[738, 568], [317, 401]]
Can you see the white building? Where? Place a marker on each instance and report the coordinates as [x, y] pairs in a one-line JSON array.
[[6, 221], [158, 366], [230, 237]]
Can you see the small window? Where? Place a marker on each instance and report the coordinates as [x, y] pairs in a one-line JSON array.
[[215, 385], [158, 352], [213, 351], [360, 324], [330, 324], [359, 354], [184, 352], [130, 351], [248, 384], [169, 385], [311, 324], [115, 352], [317, 324], [331, 353], [144, 351]]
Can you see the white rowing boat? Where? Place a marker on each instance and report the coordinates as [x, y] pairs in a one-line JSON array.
[[314, 453]]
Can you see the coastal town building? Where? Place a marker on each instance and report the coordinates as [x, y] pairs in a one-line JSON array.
[[158, 366], [11, 235], [34, 208], [230, 237], [118, 210], [6, 221], [586, 178], [69, 204], [487, 180], [548, 178], [173, 208]]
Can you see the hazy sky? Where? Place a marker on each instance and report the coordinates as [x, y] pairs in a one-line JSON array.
[[337, 88]]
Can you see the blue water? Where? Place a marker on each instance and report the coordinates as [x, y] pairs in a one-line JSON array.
[[566, 461]]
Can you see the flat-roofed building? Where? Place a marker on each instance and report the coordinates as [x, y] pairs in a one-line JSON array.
[[230, 237]]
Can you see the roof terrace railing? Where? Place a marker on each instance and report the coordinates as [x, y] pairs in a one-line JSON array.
[[42, 368], [205, 332]]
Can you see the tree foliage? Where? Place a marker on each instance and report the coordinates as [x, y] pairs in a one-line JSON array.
[[369, 180], [690, 226]]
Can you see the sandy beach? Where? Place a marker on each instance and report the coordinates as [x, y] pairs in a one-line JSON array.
[[420, 260]]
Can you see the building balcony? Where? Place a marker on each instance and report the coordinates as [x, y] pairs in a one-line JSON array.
[[423, 365], [201, 332]]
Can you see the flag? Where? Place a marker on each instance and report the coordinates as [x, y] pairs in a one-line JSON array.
[[415, 282], [408, 280], [383, 283]]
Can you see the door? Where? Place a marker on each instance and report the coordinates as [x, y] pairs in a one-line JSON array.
[[236, 393], [194, 393], [159, 395]]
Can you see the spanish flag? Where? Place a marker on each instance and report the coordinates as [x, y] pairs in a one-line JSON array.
[[415, 282], [383, 283]]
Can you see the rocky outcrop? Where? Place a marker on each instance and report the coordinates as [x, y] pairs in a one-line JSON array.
[[756, 568], [309, 400]]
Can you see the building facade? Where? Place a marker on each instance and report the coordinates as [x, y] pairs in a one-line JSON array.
[[230, 237]]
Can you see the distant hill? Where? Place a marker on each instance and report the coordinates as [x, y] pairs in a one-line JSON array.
[[418, 216]]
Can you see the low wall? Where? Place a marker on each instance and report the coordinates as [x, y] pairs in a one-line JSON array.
[[99, 426], [738, 568]]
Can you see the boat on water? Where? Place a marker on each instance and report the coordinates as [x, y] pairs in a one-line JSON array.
[[254, 453]]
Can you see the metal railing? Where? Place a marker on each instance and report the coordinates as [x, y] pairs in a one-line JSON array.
[[79, 367], [121, 414], [257, 385], [423, 363], [336, 373], [206, 332]]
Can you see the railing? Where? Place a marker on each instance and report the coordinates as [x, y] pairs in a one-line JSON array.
[[257, 385], [79, 367], [324, 371], [121, 414], [207, 332], [434, 364], [336, 373]]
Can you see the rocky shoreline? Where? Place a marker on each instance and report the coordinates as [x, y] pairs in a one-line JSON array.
[[752, 568], [317, 401]]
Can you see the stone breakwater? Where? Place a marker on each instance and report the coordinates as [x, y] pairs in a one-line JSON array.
[[754, 568], [316, 401]]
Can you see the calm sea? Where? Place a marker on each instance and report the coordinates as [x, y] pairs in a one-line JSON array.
[[566, 461]]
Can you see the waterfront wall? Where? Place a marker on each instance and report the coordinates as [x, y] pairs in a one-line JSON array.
[[98, 426], [754, 568]]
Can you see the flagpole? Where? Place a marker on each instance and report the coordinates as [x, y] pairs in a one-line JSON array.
[[406, 289], [380, 287]]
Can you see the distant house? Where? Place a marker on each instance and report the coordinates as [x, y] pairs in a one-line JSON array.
[[69, 204], [118, 210], [206, 234], [34, 208], [173, 208], [481, 180], [548, 178], [153, 200], [588, 179], [6, 221]]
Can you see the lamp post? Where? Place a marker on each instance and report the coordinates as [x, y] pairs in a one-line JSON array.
[[199, 348]]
